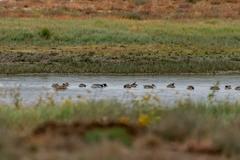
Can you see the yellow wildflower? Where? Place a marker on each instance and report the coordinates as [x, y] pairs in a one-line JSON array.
[[144, 120]]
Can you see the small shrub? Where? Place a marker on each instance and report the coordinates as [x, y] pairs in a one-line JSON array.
[[45, 33]]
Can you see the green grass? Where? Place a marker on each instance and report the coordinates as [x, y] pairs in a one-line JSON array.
[[109, 31], [118, 46]]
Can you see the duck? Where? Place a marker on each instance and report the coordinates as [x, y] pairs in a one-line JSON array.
[[171, 85], [54, 85], [214, 88], [65, 84], [127, 86], [82, 85], [134, 85], [104, 85], [237, 88], [190, 87], [228, 87], [57, 87], [99, 85], [61, 87], [152, 86]]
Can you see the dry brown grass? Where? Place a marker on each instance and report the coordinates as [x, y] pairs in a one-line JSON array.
[[145, 8]]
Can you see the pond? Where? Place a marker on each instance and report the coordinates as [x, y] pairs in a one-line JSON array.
[[32, 87]]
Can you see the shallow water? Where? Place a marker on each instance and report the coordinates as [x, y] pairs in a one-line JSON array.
[[31, 87]]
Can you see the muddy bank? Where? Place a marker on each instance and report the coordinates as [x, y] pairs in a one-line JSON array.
[[118, 59]]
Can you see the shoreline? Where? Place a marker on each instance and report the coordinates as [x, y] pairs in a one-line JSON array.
[[231, 73]]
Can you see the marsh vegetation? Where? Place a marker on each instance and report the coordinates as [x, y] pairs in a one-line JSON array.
[[118, 46]]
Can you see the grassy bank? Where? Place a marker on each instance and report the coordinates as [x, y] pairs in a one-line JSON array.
[[78, 129], [118, 46]]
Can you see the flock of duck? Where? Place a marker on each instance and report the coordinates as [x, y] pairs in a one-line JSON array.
[[65, 85]]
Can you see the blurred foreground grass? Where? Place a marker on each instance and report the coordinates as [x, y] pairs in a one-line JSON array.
[[203, 128]]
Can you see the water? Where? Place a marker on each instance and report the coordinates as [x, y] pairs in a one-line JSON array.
[[31, 87]]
